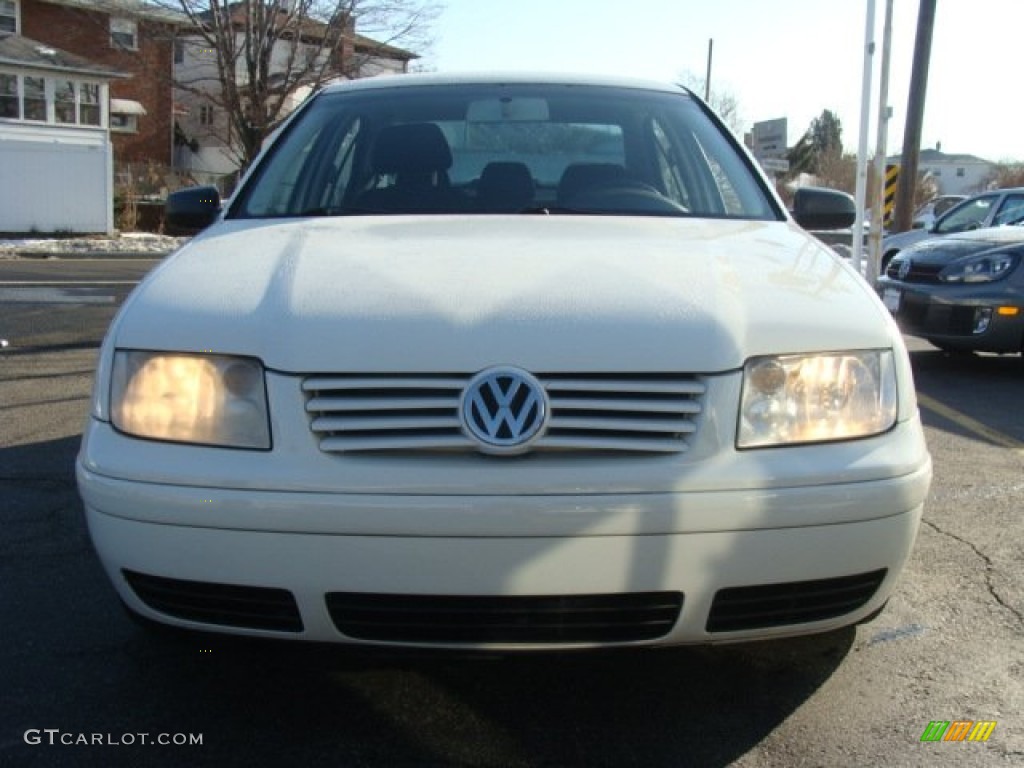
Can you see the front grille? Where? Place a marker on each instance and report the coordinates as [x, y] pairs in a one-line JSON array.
[[776, 605], [224, 604], [589, 412], [507, 620], [919, 273]]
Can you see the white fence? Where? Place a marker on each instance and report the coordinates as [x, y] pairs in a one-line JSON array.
[[55, 180]]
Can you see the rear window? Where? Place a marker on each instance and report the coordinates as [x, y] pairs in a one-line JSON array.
[[488, 149]]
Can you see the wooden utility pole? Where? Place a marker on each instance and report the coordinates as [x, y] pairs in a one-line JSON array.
[[915, 117]]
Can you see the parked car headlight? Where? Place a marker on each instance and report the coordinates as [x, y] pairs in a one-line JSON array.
[[814, 398], [207, 399], [980, 269]]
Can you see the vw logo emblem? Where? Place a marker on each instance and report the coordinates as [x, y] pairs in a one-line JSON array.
[[504, 410], [904, 269]]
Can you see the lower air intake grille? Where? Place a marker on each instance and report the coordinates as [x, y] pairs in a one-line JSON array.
[[776, 605], [544, 619], [224, 604]]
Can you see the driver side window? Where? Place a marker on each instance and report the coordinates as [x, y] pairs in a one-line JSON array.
[[970, 216]]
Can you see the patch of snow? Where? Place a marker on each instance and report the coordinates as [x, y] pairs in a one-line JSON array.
[[127, 243]]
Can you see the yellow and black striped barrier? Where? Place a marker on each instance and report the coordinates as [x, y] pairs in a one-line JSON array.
[[892, 177]]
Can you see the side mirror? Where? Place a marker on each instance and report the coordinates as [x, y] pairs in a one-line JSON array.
[[820, 208], [187, 211]]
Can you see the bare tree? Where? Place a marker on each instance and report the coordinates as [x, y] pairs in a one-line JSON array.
[[262, 56], [722, 100], [1005, 175]]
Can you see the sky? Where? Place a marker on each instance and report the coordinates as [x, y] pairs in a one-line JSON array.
[[778, 58]]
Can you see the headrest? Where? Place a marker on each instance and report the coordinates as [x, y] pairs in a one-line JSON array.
[[580, 177], [411, 148], [506, 180]]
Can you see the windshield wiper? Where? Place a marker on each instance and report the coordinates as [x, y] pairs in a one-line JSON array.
[[326, 211]]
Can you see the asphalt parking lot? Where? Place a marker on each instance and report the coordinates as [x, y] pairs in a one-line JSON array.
[[949, 647]]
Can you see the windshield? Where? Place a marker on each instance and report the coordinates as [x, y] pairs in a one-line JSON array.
[[504, 149]]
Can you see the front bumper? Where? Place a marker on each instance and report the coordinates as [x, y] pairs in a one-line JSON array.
[[684, 555], [949, 315]]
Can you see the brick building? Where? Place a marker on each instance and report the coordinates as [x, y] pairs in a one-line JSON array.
[[124, 35]]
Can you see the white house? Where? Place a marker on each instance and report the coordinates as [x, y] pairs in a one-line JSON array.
[[56, 161], [952, 174]]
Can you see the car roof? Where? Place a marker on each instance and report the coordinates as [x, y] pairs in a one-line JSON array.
[[502, 78], [1000, 191]]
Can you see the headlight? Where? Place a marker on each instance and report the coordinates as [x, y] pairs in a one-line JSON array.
[[980, 269], [814, 398], [208, 399]]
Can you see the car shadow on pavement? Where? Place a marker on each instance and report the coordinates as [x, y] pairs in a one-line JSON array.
[[73, 660], [642, 707], [971, 395]]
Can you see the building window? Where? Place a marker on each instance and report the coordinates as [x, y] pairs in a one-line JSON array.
[[959, 173], [179, 51], [64, 108], [35, 99], [206, 114], [124, 34], [10, 104], [124, 123], [50, 100], [89, 103], [9, 16]]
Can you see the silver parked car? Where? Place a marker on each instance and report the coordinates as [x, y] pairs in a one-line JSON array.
[[962, 293], [989, 209]]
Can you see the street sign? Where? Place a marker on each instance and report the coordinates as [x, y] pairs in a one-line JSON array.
[[769, 138], [774, 164]]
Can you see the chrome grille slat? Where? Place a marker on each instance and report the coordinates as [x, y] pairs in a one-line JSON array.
[[382, 402], [625, 384], [373, 424], [650, 405], [384, 382], [653, 413]]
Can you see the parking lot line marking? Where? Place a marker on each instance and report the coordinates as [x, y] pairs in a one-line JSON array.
[[48, 294], [971, 425], [67, 282]]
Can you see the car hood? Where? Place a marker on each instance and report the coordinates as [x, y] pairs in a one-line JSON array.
[[939, 251], [547, 293]]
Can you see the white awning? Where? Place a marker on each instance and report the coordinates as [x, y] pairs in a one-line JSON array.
[[126, 107]]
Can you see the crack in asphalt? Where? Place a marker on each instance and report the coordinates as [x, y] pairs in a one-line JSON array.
[[990, 569]]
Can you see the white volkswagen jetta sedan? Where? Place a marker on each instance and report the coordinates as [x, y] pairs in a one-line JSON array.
[[509, 363]]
